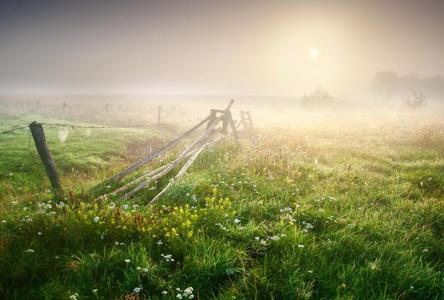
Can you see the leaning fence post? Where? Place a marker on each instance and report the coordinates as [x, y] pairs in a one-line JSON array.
[[212, 118], [42, 148]]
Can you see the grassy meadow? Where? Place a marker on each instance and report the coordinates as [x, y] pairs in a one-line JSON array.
[[353, 211]]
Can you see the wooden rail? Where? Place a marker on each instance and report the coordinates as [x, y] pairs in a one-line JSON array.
[[191, 152]]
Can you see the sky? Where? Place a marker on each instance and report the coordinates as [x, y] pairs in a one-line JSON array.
[[217, 47]]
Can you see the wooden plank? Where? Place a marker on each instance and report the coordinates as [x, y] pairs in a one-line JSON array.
[[145, 176], [185, 167], [172, 165], [156, 154], [182, 171]]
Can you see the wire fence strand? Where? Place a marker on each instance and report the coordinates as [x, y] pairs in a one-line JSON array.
[[18, 127], [14, 129]]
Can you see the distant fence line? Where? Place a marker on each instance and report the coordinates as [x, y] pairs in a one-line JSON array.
[[160, 113]]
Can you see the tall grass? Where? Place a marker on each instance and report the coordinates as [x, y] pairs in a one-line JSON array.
[[314, 216]]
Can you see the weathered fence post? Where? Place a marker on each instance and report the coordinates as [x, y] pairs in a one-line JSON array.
[[232, 125], [250, 119], [212, 117], [65, 107], [159, 111], [226, 121], [42, 148]]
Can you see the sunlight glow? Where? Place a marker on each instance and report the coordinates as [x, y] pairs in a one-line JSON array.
[[314, 53]]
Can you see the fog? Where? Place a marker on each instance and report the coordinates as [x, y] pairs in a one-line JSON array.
[[271, 56]]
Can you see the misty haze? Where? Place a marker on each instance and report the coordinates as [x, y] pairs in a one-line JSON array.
[[222, 149]]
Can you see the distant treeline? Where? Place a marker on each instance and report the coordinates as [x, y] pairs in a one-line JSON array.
[[391, 85]]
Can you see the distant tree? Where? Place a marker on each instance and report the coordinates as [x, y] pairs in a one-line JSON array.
[[415, 101], [318, 98], [388, 84]]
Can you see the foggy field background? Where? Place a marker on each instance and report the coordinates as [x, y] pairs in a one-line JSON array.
[[336, 191], [142, 110], [334, 203]]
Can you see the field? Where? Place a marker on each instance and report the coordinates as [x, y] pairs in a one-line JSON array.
[[350, 211]]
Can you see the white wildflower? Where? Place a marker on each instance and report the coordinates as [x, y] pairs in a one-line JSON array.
[[127, 260], [287, 209], [188, 290], [221, 226], [167, 257], [237, 221], [27, 219], [29, 250], [73, 296], [96, 219], [137, 290]]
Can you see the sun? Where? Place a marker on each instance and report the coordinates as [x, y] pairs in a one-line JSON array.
[[314, 52]]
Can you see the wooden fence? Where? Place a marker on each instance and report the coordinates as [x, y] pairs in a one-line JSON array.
[[217, 125]]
